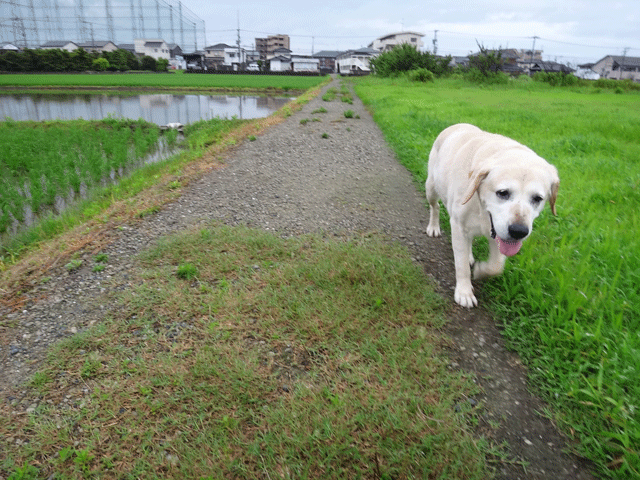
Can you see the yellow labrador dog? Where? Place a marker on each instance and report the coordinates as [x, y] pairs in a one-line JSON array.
[[491, 185]]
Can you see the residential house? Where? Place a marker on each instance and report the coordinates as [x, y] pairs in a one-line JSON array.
[[327, 60], [129, 47], [98, 46], [356, 62], [387, 42], [280, 52], [224, 57], [280, 63], [60, 44], [550, 67], [154, 48], [618, 67], [304, 63], [267, 46]]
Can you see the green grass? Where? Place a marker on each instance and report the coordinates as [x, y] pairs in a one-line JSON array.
[[569, 301], [51, 159], [297, 358], [42, 160], [164, 80]]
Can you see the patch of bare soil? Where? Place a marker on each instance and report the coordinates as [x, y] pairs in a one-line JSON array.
[[317, 171]]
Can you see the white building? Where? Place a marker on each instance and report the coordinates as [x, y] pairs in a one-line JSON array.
[[61, 45], [355, 62], [223, 56], [154, 48], [280, 64], [387, 42], [305, 63]]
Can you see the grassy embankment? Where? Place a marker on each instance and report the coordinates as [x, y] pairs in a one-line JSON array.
[[240, 354], [569, 301]]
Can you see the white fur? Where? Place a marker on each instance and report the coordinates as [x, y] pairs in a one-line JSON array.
[[481, 176]]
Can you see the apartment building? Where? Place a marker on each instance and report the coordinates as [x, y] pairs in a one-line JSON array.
[[267, 46]]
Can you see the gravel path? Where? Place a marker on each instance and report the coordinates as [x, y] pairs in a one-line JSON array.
[[334, 175]]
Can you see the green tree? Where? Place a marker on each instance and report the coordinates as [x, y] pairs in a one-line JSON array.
[[162, 64], [486, 66], [148, 63], [100, 64]]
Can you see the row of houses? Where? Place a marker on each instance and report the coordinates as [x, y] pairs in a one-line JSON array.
[[155, 48], [273, 53]]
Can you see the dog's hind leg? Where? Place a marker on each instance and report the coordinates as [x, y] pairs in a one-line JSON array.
[[433, 229], [493, 266]]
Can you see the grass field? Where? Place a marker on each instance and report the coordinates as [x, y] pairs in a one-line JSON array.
[[163, 80], [42, 161], [243, 355], [569, 301]]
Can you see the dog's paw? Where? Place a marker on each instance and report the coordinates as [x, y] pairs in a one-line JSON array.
[[433, 230], [464, 297], [483, 270]]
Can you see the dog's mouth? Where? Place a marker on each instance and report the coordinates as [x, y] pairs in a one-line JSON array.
[[508, 248]]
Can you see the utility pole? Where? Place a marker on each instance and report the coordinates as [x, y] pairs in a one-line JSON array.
[[533, 49], [435, 42], [624, 60], [238, 41]]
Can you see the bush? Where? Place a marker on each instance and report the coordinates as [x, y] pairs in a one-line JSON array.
[[420, 75], [557, 79], [476, 75], [404, 58]]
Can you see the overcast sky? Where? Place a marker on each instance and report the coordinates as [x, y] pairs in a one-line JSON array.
[[569, 31]]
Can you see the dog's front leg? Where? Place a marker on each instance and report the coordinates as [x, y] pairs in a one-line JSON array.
[[461, 244]]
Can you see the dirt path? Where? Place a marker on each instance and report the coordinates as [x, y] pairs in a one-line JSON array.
[[315, 172]]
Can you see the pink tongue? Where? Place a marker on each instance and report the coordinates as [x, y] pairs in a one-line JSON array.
[[508, 249]]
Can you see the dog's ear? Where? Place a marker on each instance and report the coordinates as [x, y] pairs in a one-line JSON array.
[[553, 196], [475, 179]]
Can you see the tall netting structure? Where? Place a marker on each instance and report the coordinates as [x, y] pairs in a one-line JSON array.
[[32, 23]]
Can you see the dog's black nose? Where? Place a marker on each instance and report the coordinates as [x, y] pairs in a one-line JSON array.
[[518, 231]]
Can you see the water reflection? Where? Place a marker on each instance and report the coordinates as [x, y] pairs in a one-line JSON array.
[[156, 108]]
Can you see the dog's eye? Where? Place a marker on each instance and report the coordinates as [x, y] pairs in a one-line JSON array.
[[503, 194], [536, 199]]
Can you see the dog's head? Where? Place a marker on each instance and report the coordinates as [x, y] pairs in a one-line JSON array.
[[513, 193]]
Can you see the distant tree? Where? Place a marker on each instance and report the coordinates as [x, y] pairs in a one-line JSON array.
[[118, 59], [487, 65], [82, 60], [162, 64], [100, 64], [148, 63]]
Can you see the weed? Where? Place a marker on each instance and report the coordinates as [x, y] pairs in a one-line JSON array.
[[187, 271], [252, 138], [330, 94], [325, 135], [148, 211], [304, 121], [101, 258], [320, 110], [73, 264], [349, 114]]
